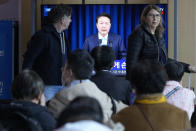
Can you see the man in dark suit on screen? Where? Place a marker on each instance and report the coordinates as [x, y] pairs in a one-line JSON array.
[[103, 23]]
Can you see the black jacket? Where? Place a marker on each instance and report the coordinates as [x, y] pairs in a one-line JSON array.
[[32, 110], [44, 55], [116, 87], [142, 45]]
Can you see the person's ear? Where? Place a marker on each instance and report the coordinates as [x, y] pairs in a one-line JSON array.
[[112, 65], [62, 20], [69, 71], [97, 25]]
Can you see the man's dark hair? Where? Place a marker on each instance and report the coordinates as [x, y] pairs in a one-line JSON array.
[[58, 12], [81, 108], [175, 71], [81, 63], [104, 57], [148, 78], [105, 15], [27, 86]]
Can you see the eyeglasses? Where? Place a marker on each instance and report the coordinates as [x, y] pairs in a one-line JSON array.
[[158, 16]]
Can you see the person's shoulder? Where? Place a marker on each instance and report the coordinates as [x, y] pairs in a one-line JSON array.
[[123, 80], [93, 36], [138, 31], [169, 107], [87, 84], [188, 92], [44, 31], [114, 35]]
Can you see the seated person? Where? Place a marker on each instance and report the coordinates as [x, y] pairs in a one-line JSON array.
[[103, 23], [27, 90], [76, 74], [81, 111], [183, 98], [114, 86], [150, 110]]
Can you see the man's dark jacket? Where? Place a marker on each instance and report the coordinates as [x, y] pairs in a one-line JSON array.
[[32, 110], [115, 41], [44, 55], [116, 87]]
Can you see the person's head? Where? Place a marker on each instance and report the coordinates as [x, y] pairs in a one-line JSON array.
[[103, 23], [81, 108], [27, 86], [60, 14], [79, 66], [151, 16], [104, 57], [148, 78], [175, 71]]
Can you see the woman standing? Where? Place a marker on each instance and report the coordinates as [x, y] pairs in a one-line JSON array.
[[147, 42]]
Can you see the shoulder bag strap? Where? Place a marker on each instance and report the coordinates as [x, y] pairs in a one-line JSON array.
[[113, 104], [146, 118], [172, 92]]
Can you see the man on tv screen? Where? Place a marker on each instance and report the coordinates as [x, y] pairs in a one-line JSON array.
[[103, 23]]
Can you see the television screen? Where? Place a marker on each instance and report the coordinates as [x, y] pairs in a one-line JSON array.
[[124, 19]]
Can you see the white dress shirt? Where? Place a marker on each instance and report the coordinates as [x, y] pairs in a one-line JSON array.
[[104, 39]]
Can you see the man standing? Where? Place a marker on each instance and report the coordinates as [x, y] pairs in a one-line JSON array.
[[103, 23], [48, 49]]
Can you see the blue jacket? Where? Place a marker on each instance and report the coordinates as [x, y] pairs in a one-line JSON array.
[[115, 41]]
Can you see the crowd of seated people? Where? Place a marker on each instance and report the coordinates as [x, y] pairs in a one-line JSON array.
[[76, 76], [150, 111], [83, 106]]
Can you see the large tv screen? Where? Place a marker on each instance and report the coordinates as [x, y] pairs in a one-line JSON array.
[[124, 19]]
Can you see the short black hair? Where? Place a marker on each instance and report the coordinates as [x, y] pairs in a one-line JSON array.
[[104, 57], [105, 15], [148, 77], [27, 85], [175, 70], [81, 63], [58, 12], [81, 108]]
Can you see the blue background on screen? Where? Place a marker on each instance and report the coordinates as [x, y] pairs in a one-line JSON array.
[[125, 18]]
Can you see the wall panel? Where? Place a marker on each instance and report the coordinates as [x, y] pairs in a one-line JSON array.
[[186, 35], [62, 1], [104, 1], [25, 24], [147, 1], [171, 28]]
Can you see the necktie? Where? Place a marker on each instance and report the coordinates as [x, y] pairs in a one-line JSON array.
[[104, 41]]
